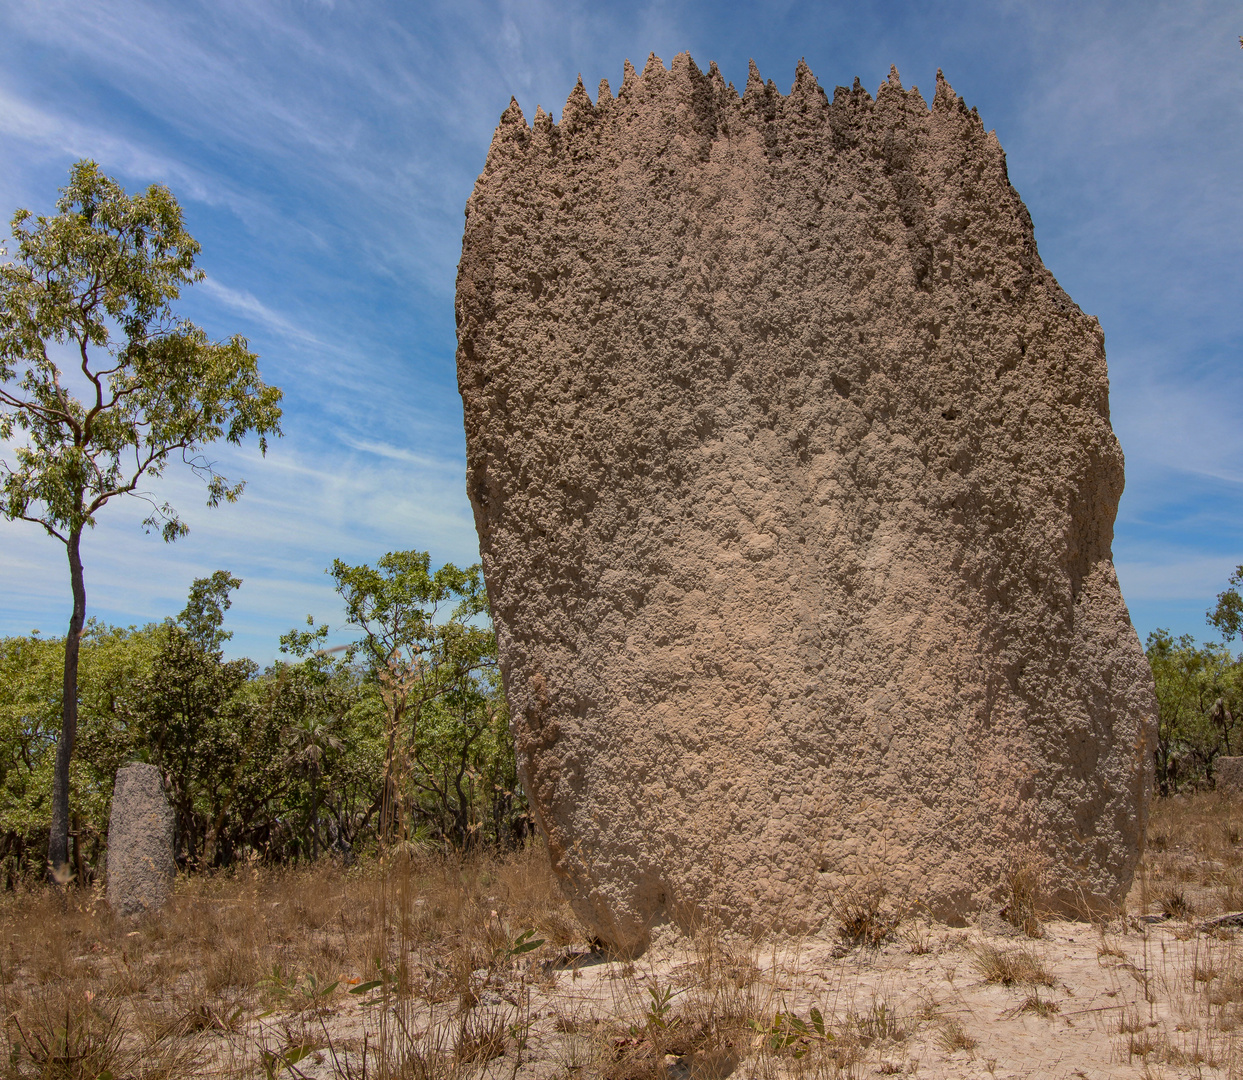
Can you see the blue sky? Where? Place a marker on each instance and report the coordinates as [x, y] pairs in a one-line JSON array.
[[323, 153]]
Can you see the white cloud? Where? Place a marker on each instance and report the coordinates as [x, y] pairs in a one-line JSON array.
[[399, 453], [299, 511], [26, 122], [1194, 580], [249, 305]]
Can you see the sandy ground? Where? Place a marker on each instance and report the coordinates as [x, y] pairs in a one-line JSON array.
[[268, 973], [1128, 999]]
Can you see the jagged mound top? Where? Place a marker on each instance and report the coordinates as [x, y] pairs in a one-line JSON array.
[[758, 95]]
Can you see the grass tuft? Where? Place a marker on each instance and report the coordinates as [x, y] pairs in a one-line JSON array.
[[1023, 886], [864, 915], [1011, 967], [951, 1037]]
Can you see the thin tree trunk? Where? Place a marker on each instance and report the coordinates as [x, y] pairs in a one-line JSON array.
[[387, 794], [213, 834], [79, 862], [58, 835], [391, 807], [314, 814]]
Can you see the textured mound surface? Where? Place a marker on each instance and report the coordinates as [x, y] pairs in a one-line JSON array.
[[141, 865], [795, 488]]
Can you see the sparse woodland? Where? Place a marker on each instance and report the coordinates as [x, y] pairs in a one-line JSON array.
[[362, 898], [281, 764], [308, 756], [1199, 695], [401, 734]]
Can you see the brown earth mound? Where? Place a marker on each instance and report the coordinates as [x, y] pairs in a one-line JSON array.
[[795, 489], [141, 864]]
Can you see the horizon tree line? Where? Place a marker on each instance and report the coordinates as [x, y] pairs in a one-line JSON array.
[[304, 757]]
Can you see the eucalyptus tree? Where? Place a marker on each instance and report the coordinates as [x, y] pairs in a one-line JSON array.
[[1199, 696], [92, 288], [1227, 616], [423, 642]]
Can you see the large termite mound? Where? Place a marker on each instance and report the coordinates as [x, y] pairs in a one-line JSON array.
[[795, 489]]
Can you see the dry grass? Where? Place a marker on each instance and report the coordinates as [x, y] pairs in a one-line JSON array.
[[192, 992], [867, 915], [1011, 967], [443, 967], [1024, 885], [952, 1038], [424, 967], [1034, 1003], [1193, 866]]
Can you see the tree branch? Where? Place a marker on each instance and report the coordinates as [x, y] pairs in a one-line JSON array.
[[48, 414], [89, 420], [140, 469], [40, 521]]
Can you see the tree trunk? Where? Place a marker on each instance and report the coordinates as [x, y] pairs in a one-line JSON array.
[[79, 859], [214, 825], [58, 835], [314, 814], [391, 806]]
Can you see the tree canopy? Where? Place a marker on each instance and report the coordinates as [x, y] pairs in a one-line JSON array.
[[102, 384], [428, 655], [100, 278], [286, 762]]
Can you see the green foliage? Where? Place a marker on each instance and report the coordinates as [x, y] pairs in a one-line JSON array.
[[433, 663], [98, 280], [658, 1016], [195, 728], [1227, 616], [524, 943], [100, 277], [286, 987], [284, 763], [787, 1031], [203, 615], [1199, 694], [114, 664], [406, 730]]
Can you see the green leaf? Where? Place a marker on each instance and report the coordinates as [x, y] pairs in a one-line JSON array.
[[362, 988], [817, 1021], [524, 944]]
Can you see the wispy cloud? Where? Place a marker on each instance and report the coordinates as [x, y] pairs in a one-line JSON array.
[[24, 122], [324, 154], [298, 513], [403, 454], [249, 305], [1196, 580]]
